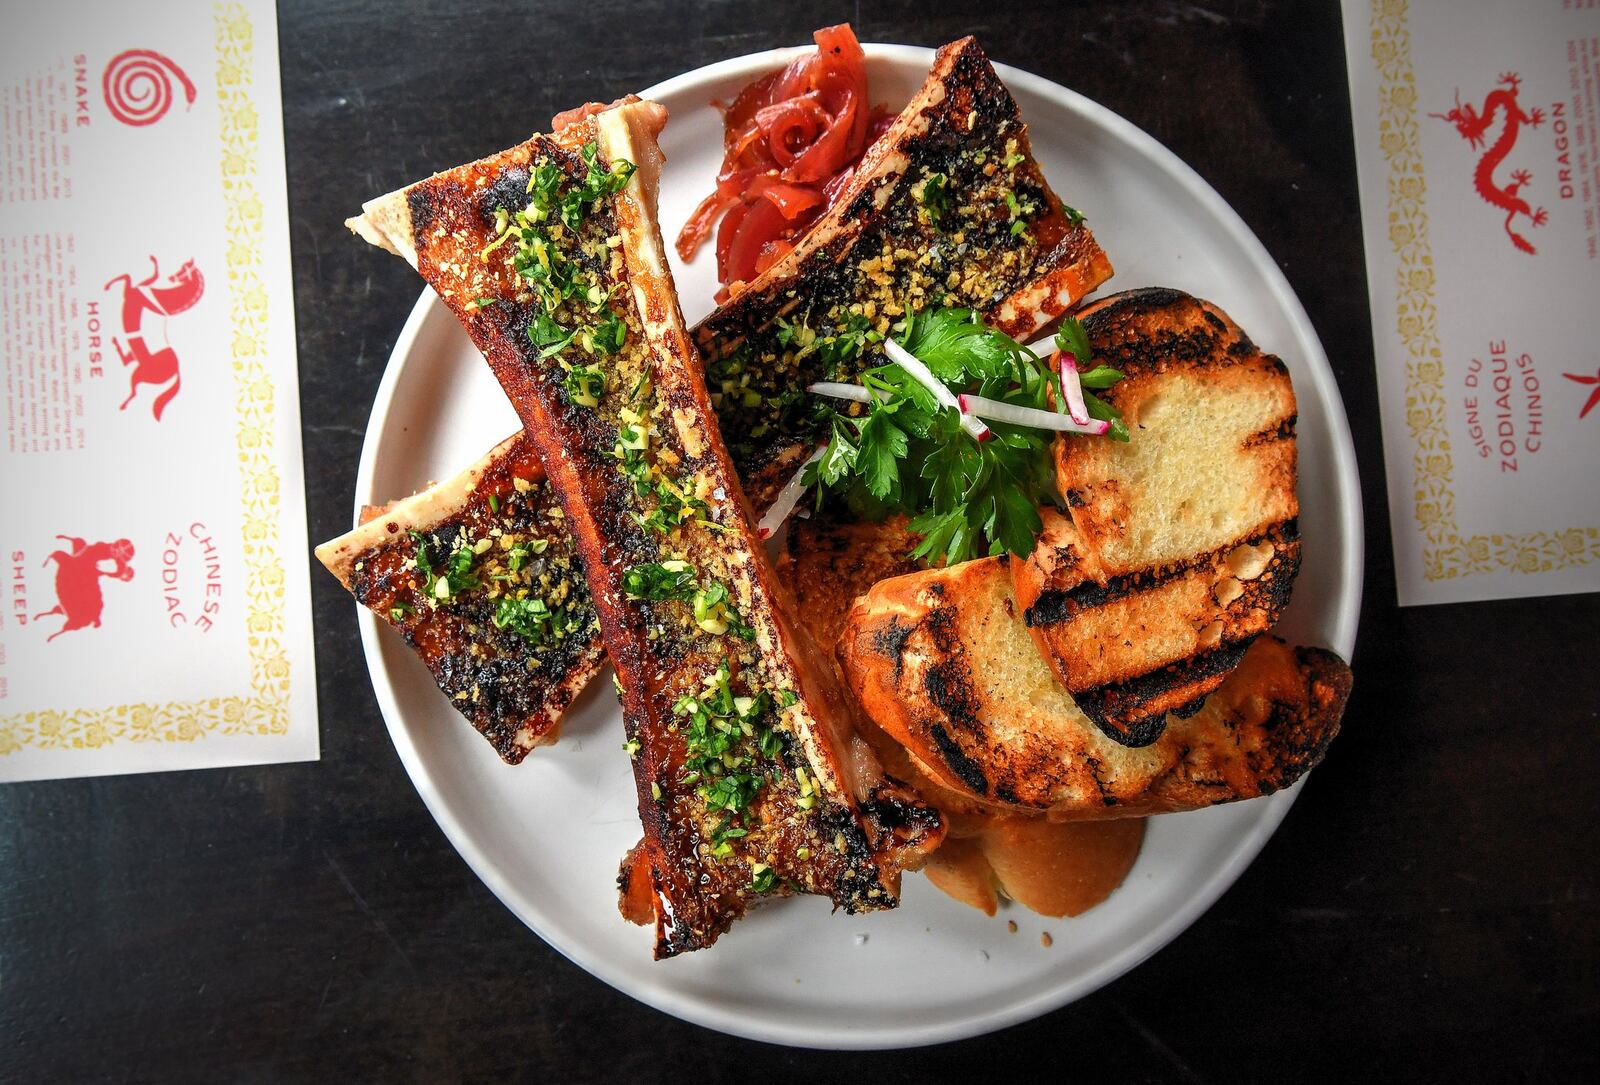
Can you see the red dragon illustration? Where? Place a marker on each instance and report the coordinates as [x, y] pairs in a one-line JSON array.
[[154, 366], [1473, 126], [78, 574]]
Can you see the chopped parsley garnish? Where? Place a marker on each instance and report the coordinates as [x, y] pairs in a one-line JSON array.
[[730, 751], [674, 578], [906, 453], [658, 580], [715, 613], [935, 197], [550, 337], [596, 184], [532, 620], [847, 343], [457, 576], [608, 336], [539, 256], [585, 385], [521, 553]]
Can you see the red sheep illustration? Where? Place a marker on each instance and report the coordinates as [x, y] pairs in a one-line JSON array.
[[78, 574]]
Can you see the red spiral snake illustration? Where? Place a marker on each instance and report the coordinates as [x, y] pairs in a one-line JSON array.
[[138, 86]]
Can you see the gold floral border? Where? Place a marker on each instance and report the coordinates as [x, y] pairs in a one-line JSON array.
[[1446, 553], [266, 711]]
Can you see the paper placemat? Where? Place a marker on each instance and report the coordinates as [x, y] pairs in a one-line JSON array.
[[157, 606], [1476, 145]]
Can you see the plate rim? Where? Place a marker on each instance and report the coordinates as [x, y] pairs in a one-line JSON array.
[[1350, 551]]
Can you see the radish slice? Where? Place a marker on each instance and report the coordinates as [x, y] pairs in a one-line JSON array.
[[788, 497], [1073, 388], [853, 392], [909, 362], [1030, 416]]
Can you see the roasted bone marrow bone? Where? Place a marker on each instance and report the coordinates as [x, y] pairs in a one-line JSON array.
[[748, 778], [477, 576], [947, 207]]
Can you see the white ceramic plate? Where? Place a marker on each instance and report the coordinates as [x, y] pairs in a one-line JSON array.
[[546, 836]]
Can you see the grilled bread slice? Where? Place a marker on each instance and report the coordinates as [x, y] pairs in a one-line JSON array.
[[949, 207], [942, 662], [749, 779], [476, 575], [1182, 543]]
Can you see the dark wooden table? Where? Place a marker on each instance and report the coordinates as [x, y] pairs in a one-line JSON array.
[[1427, 911]]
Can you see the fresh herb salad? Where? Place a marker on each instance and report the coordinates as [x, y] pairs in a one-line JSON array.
[[971, 489]]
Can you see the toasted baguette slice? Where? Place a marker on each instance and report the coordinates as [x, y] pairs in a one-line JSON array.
[[991, 236], [1182, 543], [748, 776], [943, 663], [512, 678]]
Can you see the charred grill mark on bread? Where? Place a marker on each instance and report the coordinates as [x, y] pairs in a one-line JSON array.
[[656, 514], [1057, 605], [517, 639], [1145, 701], [1006, 245]]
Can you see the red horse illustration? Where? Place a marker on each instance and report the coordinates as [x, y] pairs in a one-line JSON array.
[[154, 366], [1473, 125], [1594, 396], [78, 574]]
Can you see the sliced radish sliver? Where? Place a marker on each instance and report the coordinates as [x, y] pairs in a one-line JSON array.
[[909, 362], [788, 497], [1030, 416], [853, 392], [1072, 387]]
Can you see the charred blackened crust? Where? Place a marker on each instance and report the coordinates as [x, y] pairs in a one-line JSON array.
[[512, 690], [879, 253]]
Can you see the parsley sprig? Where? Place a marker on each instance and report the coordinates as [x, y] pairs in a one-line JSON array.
[[906, 453]]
